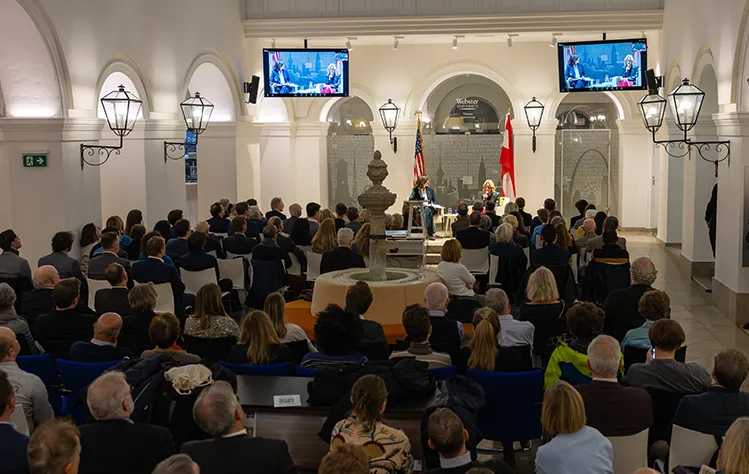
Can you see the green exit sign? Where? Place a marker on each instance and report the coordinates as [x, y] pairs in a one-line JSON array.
[[34, 161]]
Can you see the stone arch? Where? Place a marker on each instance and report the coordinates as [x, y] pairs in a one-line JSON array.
[[704, 75], [233, 106], [276, 110], [323, 107], [118, 66], [739, 59]]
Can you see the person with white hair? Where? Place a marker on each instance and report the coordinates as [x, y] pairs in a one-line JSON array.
[[589, 233], [295, 212], [177, 464], [255, 218], [39, 300], [512, 259], [115, 444], [341, 257], [447, 333], [14, 322], [218, 412], [611, 223], [514, 333], [621, 306], [611, 408]]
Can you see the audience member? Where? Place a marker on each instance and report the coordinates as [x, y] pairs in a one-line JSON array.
[[325, 237], [662, 371], [255, 219], [462, 221], [133, 249], [478, 206], [239, 243], [550, 254], [103, 346], [177, 246], [483, 353], [14, 322], [197, 259], [144, 245], [177, 464], [352, 214], [456, 277], [734, 454], [173, 216], [276, 209], [142, 301], [622, 306], [364, 426], [295, 212], [39, 300], [212, 242], [97, 266], [549, 206], [163, 228], [275, 308], [491, 213], [116, 222], [134, 217], [398, 221], [12, 265], [66, 324], [286, 243], [13, 444], [326, 213], [473, 237], [446, 333], [300, 234], [114, 440], [585, 321], [518, 237], [510, 207], [114, 300], [218, 223], [580, 205], [154, 270], [340, 216], [513, 332], [544, 310], [589, 233], [543, 219], [164, 332], [564, 238], [55, 448], [609, 224], [653, 305], [508, 250], [713, 412], [527, 218], [362, 241], [610, 249], [268, 250], [90, 235], [258, 343], [418, 329], [232, 450], [341, 257], [448, 437], [30, 392], [337, 335], [345, 459], [313, 216], [575, 448], [210, 320], [66, 266], [373, 343], [590, 213], [612, 409], [485, 224], [599, 219]]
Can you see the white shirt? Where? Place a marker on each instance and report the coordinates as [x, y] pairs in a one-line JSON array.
[[577, 72], [238, 433], [30, 393], [455, 276], [514, 332]]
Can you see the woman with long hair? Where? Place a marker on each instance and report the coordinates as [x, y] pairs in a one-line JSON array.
[[564, 238], [90, 235], [300, 233], [258, 343], [210, 320], [483, 353], [275, 308], [422, 192], [734, 452], [545, 310], [326, 213], [137, 233], [133, 217], [116, 222], [361, 241], [325, 238], [364, 427], [489, 192]]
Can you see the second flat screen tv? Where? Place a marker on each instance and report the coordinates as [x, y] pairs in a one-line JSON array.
[[306, 72], [613, 65]]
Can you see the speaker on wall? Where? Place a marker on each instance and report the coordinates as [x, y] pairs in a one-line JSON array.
[[251, 88], [653, 81]]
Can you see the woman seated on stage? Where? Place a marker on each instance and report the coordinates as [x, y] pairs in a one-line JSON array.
[[325, 238], [259, 344], [422, 192], [455, 275], [490, 192]]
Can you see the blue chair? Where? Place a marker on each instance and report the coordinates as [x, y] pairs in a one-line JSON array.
[[43, 366], [269, 369], [513, 404], [444, 372], [75, 377], [304, 372]]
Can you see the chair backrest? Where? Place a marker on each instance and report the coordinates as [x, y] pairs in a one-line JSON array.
[[284, 368], [304, 371], [602, 278], [18, 418], [461, 308], [476, 260], [493, 269], [75, 377], [443, 372], [634, 355], [295, 268], [233, 269], [164, 298], [43, 366], [213, 252], [216, 349], [630, 452], [196, 280], [690, 448], [93, 287], [664, 409], [313, 265], [298, 349], [514, 410]]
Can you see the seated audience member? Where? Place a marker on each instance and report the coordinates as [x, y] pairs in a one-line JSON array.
[[418, 329], [462, 221], [575, 448], [103, 346], [490, 212], [581, 205], [609, 224], [589, 233], [549, 206], [585, 321], [341, 257], [610, 249], [550, 254], [269, 250], [543, 218], [12, 443], [177, 247], [163, 228], [231, 450], [97, 266], [364, 427], [286, 243], [295, 212], [478, 206], [446, 333], [58, 330], [733, 455], [133, 249], [142, 301], [513, 332], [144, 254], [276, 209], [483, 353], [14, 322], [39, 300], [177, 464], [210, 320], [473, 237], [527, 218], [251, 231], [12, 265], [337, 335], [544, 310], [713, 412], [66, 266], [255, 219], [362, 240], [218, 223], [90, 235], [114, 300], [197, 259], [373, 343], [340, 216], [662, 371], [258, 343], [653, 305], [155, 271], [114, 440], [590, 213], [325, 237], [456, 277], [54, 448], [172, 217], [564, 238], [275, 308], [164, 332], [239, 243], [300, 234], [352, 214], [30, 392], [345, 459], [313, 216], [328, 214], [622, 306], [518, 237], [612, 409], [123, 240], [506, 247], [115, 222], [486, 225], [448, 437], [599, 218], [212, 242]]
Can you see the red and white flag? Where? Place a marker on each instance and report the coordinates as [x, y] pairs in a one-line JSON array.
[[507, 162], [419, 168]]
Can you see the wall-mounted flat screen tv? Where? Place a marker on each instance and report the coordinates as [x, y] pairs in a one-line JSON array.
[[613, 65], [306, 72]]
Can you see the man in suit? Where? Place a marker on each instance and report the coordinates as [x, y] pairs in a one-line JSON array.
[[341, 257], [621, 305], [373, 343], [114, 440], [473, 237], [550, 253], [57, 331], [154, 270], [243, 210], [12, 443], [12, 265], [589, 229], [610, 249], [218, 222], [177, 246], [340, 216], [197, 259], [286, 243], [490, 211], [711, 213], [98, 265], [39, 300], [212, 242], [114, 300], [462, 221], [714, 411], [268, 250], [276, 209], [218, 412], [447, 333], [256, 219], [313, 215], [103, 346], [352, 213], [611, 408], [295, 212], [239, 243], [448, 437], [98, 250], [66, 266]]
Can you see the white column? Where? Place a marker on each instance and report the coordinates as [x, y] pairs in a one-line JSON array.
[[534, 172], [635, 186], [311, 164], [217, 166], [164, 181], [123, 176], [249, 178], [277, 164], [670, 202]]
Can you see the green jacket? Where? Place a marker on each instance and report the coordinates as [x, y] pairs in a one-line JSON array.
[[564, 354]]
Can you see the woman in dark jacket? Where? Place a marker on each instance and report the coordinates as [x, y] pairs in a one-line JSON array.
[[258, 342]]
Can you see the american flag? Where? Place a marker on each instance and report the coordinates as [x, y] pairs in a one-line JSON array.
[[419, 168]]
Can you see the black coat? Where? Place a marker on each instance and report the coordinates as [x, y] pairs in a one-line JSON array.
[[494, 465], [241, 455], [615, 410], [274, 213], [287, 244], [271, 252], [473, 238], [219, 225], [98, 264], [374, 343], [340, 258], [239, 244], [112, 300], [621, 311], [13, 450], [39, 301], [86, 351], [59, 330], [712, 412], [199, 261], [157, 272], [550, 254]]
